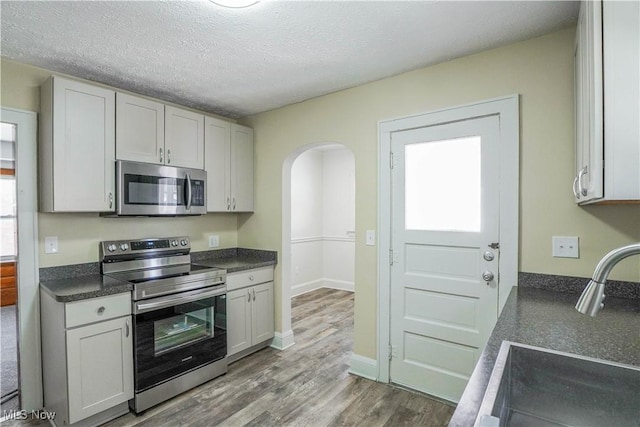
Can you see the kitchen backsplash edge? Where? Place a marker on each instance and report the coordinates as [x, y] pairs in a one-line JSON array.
[[575, 285], [91, 268]]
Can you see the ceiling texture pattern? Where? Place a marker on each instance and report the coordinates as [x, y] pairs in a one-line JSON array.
[[238, 62]]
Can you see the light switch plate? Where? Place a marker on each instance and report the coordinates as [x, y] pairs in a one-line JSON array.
[[51, 245], [565, 247], [371, 237], [214, 241]]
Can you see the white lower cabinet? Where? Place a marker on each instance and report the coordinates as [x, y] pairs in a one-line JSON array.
[[250, 311], [87, 353]]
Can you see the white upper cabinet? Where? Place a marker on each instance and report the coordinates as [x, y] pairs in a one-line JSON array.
[[241, 168], [77, 147], [150, 132], [229, 166], [217, 150], [139, 129], [184, 138], [607, 91]]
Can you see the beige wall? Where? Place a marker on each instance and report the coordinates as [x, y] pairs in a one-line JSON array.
[[540, 70], [79, 234]]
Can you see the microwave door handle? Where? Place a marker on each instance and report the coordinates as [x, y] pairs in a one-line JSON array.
[[188, 192]]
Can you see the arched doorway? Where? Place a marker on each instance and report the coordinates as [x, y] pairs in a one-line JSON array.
[[318, 222]]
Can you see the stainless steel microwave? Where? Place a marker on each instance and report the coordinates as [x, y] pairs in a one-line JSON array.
[[145, 189]]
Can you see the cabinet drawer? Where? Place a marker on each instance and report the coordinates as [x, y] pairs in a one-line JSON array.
[[97, 309], [249, 278]]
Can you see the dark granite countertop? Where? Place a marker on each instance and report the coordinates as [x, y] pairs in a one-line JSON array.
[[81, 281], [235, 260], [83, 287], [546, 318]]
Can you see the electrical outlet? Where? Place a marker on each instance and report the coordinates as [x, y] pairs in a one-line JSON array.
[[371, 238], [214, 241], [51, 245], [565, 247]]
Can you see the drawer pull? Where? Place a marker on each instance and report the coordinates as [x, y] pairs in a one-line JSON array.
[[100, 311], [251, 278]]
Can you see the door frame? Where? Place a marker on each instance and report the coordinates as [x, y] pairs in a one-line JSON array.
[[29, 360], [507, 109]]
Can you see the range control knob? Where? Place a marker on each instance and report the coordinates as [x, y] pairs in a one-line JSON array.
[[124, 246], [112, 247], [184, 242]]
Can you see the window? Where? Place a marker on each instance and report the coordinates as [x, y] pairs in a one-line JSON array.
[[443, 185], [8, 248]]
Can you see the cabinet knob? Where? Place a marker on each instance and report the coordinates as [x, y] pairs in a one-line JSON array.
[[100, 311], [251, 278]]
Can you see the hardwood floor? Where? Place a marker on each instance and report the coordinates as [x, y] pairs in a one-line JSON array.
[[305, 385]]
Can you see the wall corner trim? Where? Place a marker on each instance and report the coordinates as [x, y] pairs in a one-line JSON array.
[[364, 367], [282, 341]]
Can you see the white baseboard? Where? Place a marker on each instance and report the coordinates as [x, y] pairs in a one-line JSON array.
[[364, 367], [303, 288], [339, 284], [282, 341]]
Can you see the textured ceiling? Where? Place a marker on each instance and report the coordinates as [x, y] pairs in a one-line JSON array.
[[237, 62]]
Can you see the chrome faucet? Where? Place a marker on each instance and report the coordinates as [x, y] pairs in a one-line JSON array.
[[590, 301]]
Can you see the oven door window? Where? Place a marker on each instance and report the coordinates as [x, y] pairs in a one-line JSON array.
[[182, 329]]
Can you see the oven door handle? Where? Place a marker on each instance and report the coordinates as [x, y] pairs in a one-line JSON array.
[[173, 300]]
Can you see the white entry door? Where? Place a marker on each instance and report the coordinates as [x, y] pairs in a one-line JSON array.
[[445, 238]]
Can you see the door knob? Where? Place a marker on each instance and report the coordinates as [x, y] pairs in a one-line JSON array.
[[487, 276]]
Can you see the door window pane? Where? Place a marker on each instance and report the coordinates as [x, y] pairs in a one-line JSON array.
[[443, 185]]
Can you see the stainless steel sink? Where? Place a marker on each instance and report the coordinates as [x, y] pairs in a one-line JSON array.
[[532, 386]]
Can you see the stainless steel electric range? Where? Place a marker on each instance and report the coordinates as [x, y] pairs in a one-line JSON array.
[[179, 316]]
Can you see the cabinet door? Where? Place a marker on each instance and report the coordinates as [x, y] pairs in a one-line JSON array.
[[241, 168], [238, 320], [217, 152], [184, 138], [621, 40], [139, 129], [588, 184], [99, 366], [83, 147], [262, 326]]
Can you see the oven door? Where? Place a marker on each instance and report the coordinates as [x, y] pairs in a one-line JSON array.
[[177, 333], [147, 189]]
